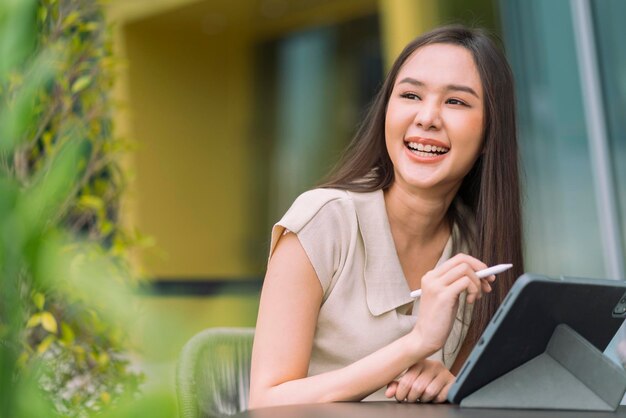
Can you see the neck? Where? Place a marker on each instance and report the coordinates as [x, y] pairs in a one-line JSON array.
[[417, 217]]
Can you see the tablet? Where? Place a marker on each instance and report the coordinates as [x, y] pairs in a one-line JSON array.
[[522, 326]]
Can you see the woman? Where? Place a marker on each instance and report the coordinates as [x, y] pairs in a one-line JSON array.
[[426, 195]]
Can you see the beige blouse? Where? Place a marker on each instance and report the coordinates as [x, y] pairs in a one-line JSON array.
[[347, 238]]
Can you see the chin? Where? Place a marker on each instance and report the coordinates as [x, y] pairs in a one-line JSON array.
[[421, 177], [425, 180]]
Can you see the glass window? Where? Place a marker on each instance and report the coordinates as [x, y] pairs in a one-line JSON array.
[[319, 82], [608, 19], [561, 222]]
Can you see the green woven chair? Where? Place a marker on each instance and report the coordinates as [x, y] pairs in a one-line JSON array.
[[213, 373]]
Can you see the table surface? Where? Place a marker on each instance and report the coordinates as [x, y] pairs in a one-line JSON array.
[[405, 410]]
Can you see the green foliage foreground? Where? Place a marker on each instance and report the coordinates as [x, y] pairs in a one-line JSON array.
[[65, 289]]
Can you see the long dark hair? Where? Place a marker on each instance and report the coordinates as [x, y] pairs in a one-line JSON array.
[[490, 190]]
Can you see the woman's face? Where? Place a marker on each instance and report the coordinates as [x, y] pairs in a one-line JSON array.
[[434, 124]]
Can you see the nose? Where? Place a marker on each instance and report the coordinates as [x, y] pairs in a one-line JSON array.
[[427, 116]]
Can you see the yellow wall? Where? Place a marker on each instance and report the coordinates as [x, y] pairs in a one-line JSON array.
[[188, 114], [403, 20]]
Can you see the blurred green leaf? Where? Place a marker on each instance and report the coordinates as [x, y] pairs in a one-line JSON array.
[[90, 27], [106, 227], [17, 33], [16, 116], [45, 344], [81, 83], [51, 188], [34, 320], [71, 19], [39, 299], [48, 322], [91, 202], [103, 359], [67, 335], [30, 402], [9, 192], [42, 14]]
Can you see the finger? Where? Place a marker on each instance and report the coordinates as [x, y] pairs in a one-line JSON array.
[[485, 286], [391, 389], [420, 384], [443, 394], [434, 387], [457, 272], [417, 390], [462, 285], [406, 381]]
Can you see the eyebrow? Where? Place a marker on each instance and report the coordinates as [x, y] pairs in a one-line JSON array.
[[449, 87]]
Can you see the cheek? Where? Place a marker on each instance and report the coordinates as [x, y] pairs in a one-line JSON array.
[[468, 130], [391, 124], [397, 122]]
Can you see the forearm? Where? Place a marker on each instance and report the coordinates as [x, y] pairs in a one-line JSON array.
[[351, 383]]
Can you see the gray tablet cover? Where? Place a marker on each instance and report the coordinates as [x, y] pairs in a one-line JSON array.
[[521, 331]]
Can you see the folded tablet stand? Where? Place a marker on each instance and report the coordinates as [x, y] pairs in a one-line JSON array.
[[571, 374]]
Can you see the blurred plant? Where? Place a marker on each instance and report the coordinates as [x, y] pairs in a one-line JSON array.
[[63, 303]]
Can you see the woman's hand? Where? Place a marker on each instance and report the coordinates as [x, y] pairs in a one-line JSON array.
[[426, 381], [441, 288]]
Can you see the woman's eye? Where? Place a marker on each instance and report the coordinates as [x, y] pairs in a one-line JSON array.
[[410, 96], [456, 102]]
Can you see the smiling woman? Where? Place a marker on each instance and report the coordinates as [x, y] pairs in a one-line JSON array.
[[426, 194]]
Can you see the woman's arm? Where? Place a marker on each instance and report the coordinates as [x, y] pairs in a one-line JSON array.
[[288, 312]]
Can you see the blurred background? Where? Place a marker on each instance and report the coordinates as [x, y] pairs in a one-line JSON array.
[[238, 107], [168, 136]]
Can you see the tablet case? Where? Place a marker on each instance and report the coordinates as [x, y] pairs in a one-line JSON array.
[[571, 374], [521, 330]]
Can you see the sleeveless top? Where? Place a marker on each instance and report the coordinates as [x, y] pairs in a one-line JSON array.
[[347, 237]]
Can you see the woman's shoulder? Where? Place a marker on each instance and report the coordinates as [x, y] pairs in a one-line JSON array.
[[332, 205], [322, 196]]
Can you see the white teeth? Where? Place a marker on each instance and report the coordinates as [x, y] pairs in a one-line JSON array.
[[424, 154], [426, 148]]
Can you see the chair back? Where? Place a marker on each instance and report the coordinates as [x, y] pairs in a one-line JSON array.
[[213, 373]]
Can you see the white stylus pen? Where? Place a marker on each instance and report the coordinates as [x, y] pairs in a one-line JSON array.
[[480, 273]]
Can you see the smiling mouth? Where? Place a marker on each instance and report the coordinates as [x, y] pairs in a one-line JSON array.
[[426, 150]]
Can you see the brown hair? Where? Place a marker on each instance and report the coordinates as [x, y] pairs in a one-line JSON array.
[[490, 190]]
